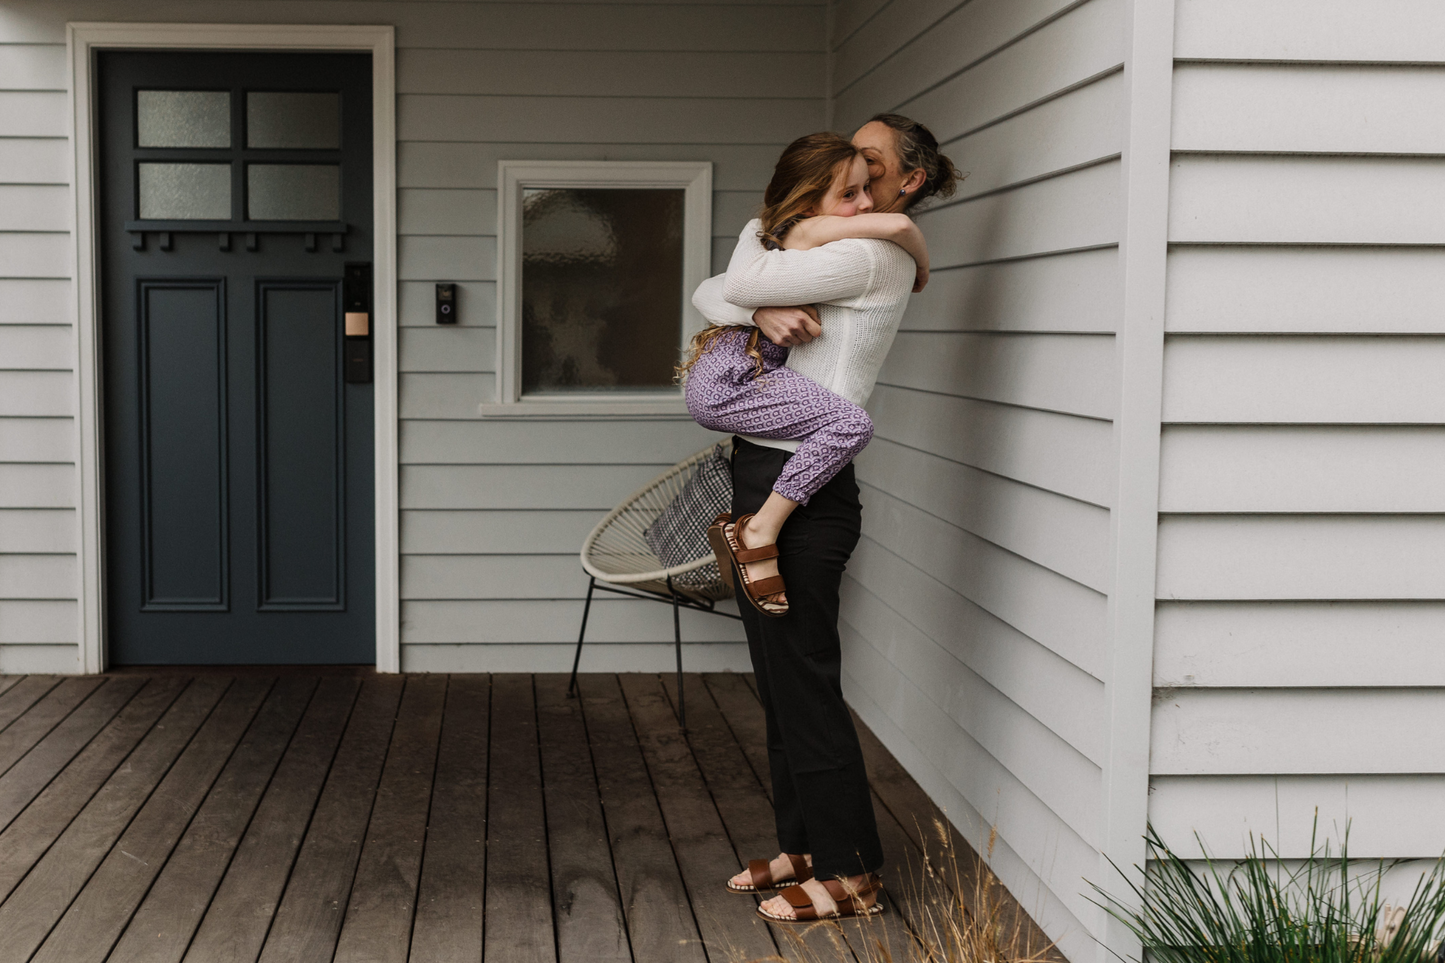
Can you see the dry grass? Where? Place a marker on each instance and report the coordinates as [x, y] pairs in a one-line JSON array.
[[950, 909]]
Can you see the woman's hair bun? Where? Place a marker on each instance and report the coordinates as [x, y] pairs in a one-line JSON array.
[[918, 149]]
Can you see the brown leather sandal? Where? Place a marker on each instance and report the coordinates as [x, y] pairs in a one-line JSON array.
[[718, 539], [762, 874], [733, 557], [840, 901]]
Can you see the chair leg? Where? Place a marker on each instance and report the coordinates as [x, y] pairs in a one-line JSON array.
[[677, 643], [581, 634]]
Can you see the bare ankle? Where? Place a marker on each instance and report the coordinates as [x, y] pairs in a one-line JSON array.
[[754, 535]]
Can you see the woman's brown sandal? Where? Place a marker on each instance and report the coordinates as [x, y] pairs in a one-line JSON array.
[[762, 876], [733, 556], [839, 901]]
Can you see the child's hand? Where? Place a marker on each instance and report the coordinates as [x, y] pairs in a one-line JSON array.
[[788, 327], [920, 278]]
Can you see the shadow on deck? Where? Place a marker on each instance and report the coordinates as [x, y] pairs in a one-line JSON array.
[[350, 816]]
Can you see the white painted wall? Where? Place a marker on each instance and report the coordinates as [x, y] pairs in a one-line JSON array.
[[493, 512], [1300, 591], [976, 607]]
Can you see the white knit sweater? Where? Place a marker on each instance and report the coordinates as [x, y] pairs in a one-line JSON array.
[[860, 287]]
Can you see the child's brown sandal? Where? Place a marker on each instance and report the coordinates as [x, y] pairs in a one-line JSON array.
[[732, 554], [718, 539]]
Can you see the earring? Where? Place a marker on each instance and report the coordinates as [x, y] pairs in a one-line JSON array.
[[902, 192]]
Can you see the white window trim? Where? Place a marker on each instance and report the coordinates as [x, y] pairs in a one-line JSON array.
[[82, 40], [694, 177]]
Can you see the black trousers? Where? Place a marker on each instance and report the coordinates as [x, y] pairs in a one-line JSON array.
[[820, 788]]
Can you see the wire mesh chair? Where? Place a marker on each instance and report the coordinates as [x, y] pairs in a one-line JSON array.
[[618, 559]]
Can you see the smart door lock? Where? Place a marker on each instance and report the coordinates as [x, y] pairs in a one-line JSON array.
[[356, 301]]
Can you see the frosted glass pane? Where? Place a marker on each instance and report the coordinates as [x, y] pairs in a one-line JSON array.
[[294, 192], [183, 118], [297, 120], [185, 192], [601, 289]]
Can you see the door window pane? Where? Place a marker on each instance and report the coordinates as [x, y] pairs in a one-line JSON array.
[[185, 192], [183, 118], [601, 288], [293, 192], [295, 120]]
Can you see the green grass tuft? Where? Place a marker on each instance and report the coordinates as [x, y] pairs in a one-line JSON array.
[[1262, 909]]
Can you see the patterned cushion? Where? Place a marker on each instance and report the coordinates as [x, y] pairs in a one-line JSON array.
[[680, 533]]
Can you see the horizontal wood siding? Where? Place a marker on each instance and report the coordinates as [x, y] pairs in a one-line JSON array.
[[1297, 635], [975, 606], [39, 484], [493, 513]]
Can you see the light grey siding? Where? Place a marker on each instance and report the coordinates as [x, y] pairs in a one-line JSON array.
[[493, 512], [1301, 599], [975, 606], [39, 576]]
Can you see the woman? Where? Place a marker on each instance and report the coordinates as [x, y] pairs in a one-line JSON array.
[[829, 841]]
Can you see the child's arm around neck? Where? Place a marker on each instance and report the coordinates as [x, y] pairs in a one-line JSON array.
[[813, 232]]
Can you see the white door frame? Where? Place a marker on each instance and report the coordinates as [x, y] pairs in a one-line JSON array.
[[82, 39]]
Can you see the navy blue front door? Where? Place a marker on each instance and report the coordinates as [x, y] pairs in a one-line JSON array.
[[235, 198]]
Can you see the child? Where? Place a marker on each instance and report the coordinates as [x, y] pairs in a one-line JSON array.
[[736, 381]]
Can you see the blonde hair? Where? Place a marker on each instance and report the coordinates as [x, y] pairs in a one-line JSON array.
[[801, 180], [706, 339]]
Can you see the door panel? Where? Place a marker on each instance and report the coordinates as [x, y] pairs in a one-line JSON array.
[[183, 427], [302, 495], [236, 190]]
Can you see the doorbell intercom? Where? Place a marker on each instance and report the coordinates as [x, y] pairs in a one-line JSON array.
[[446, 304]]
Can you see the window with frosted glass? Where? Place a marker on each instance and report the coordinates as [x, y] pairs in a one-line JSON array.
[[183, 118], [184, 192], [293, 120], [601, 289], [293, 192]]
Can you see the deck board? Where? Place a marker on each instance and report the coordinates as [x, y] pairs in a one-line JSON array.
[[50, 883], [585, 902], [742, 804], [705, 855], [379, 914], [33, 826], [518, 920], [170, 913], [99, 913], [453, 875], [48, 712], [654, 899], [300, 814], [308, 919], [235, 925], [27, 691], [26, 779]]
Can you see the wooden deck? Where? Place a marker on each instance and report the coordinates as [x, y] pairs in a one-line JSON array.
[[314, 816]]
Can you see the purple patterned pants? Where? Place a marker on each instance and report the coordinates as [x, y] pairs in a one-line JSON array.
[[723, 395]]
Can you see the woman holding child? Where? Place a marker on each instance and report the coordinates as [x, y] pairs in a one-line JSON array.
[[791, 383]]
